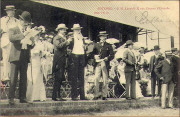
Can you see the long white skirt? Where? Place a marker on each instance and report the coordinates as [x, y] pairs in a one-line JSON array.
[[35, 84]]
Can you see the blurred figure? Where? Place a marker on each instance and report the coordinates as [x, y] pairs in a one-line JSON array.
[[154, 60], [7, 22], [130, 60], [164, 71]]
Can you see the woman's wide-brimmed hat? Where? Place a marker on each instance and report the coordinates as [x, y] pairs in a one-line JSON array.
[[26, 16], [10, 7], [76, 26], [61, 26]]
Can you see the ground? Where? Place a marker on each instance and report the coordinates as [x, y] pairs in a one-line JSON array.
[[152, 111]]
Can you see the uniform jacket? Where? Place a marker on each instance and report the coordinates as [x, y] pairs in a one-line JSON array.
[[164, 69], [129, 59], [15, 36], [103, 51]]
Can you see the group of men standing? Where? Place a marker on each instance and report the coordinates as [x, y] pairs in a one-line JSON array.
[[73, 48]]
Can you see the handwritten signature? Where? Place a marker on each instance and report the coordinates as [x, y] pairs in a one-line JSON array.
[[144, 19]]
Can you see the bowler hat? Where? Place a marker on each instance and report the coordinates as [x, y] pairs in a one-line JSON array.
[[156, 47], [76, 26], [61, 26], [26, 16], [129, 42], [10, 7], [102, 33]]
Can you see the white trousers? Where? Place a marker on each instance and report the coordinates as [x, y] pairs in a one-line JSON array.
[[167, 89], [6, 63], [101, 70]]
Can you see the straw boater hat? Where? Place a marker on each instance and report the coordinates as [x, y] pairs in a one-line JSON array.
[[10, 7], [102, 33], [26, 16], [61, 26], [76, 26]]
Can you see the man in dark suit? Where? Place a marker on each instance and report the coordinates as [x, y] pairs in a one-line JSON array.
[[59, 61], [164, 72], [130, 60], [19, 58], [103, 55], [154, 60]]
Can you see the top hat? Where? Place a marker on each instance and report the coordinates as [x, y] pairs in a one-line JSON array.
[[76, 26], [102, 33], [156, 47], [61, 26], [129, 42], [26, 16], [10, 7]]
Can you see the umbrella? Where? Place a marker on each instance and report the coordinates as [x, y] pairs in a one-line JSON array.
[[148, 55], [119, 53], [112, 41]]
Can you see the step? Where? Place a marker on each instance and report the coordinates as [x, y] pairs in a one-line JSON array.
[[67, 107]]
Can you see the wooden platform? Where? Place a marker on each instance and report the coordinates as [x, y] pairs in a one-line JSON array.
[[66, 107]]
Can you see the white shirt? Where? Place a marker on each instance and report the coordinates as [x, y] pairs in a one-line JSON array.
[[78, 44]]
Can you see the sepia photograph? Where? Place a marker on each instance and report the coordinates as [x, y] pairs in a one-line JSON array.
[[89, 58]]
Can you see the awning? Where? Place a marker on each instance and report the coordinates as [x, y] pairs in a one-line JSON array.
[[152, 17]]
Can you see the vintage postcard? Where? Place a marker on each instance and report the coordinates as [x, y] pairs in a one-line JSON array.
[[89, 58]]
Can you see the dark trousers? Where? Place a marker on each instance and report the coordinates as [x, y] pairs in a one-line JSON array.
[[77, 77], [155, 80], [58, 77], [21, 67], [130, 84]]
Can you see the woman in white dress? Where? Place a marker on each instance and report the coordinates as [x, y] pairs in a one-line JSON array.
[[36, 88]]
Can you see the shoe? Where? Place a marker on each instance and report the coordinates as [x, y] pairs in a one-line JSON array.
[[62, 99], [104, 98], [23, 101], [95, 98], [11, 102], [84, 99], [74, 99], [54, 99], [128, 98], [163, 107]]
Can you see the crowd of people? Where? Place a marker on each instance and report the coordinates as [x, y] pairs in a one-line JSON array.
[[31, 54]]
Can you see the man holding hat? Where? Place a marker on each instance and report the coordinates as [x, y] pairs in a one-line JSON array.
[[103, 55], [154, 60], [19, 57], [7, 22], [78, 63], [130, 60], [59, 61]]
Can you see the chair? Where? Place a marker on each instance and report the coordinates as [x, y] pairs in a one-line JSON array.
[[66, 89], [4, 87], [111, 91]]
